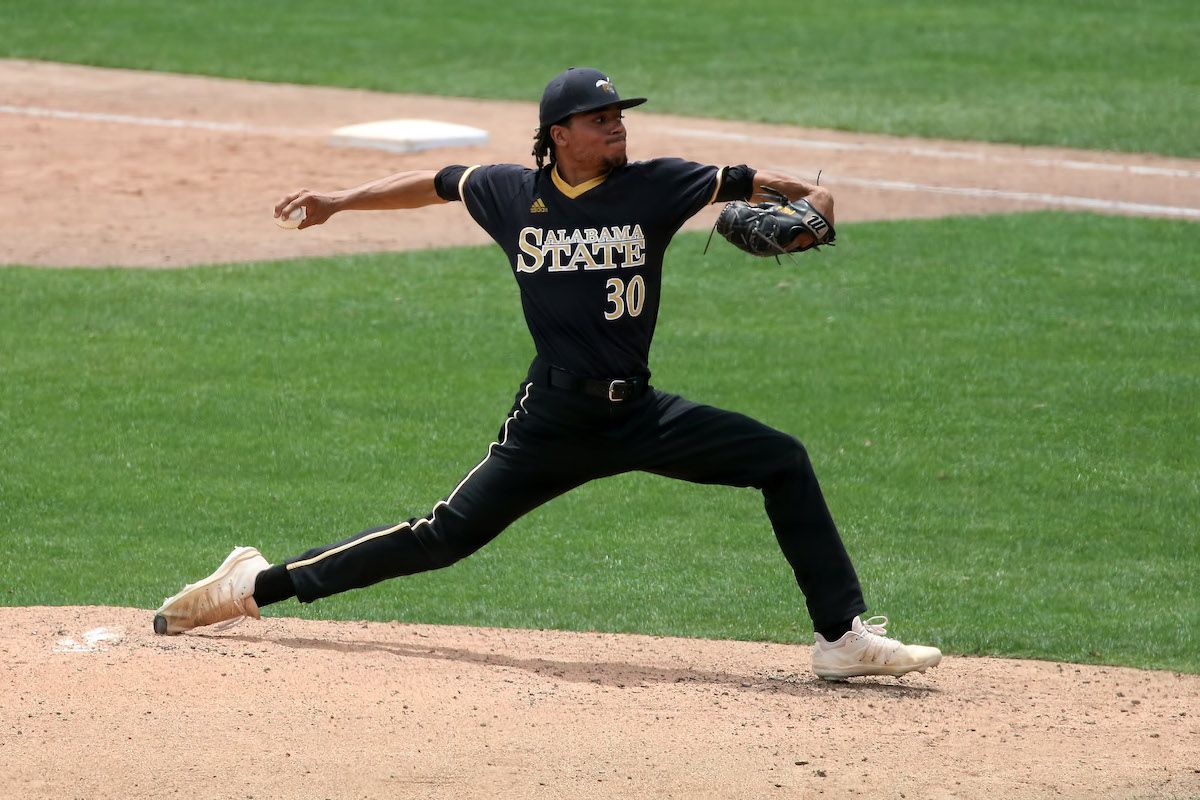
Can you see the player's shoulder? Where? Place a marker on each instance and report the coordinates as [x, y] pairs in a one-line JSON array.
[[499, 181], [508, 169], [503, 173], [662, 164], [668, 167]]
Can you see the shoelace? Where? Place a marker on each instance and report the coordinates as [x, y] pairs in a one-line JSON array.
[[879, 648], [225, 589], [227, 624]]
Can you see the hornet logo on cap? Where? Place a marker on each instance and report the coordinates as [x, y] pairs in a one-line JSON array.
[[606, 85]]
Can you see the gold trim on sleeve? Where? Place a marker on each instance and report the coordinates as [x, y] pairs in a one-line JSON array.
[[462, 182], [717, 189]]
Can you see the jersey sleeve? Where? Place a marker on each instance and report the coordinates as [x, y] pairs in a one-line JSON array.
[[734, 183], [445, 183], [487, 192], [687, 186]]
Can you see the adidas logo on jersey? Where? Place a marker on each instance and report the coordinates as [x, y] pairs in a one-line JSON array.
[[538, 207]]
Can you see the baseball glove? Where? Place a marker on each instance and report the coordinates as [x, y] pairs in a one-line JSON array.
[[770, 228]]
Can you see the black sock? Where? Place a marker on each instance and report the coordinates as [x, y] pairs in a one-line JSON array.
[[835, 632], [272, 585]]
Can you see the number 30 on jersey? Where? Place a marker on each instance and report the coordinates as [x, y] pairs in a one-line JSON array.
[[625, 298]]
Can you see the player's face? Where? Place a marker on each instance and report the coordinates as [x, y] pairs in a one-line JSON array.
[[598, 138]]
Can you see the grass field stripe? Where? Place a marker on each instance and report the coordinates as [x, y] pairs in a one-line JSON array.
[[154, 122], [499, 443], [932, 152], [1094, 203], [427, 520]]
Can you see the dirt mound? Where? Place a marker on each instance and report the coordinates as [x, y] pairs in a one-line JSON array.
[[94, 705]]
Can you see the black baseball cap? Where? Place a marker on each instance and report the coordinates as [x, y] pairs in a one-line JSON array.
[[576, 90]]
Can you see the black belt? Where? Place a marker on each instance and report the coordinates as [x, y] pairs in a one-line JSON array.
[[617, 391]]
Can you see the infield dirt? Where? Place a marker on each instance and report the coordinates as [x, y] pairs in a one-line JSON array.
[[94, 705], [125, 168], [143, 169]]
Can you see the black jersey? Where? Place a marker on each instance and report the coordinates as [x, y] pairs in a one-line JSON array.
[[588, 258]]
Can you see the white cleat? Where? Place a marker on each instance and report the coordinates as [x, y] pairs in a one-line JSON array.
[[227, 594], [864, 650]]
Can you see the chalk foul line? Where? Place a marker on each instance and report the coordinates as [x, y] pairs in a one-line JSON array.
[[1039, 198], [930, 152], [153, 122]]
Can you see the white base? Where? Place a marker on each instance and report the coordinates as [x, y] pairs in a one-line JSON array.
[[407, 135]]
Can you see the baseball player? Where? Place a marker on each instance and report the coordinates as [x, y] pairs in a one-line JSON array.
[[584, 234]]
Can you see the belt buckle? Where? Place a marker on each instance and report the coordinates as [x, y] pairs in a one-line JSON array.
[[619, 391]]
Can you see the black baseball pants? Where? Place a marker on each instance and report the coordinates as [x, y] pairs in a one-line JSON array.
[[555, 440]]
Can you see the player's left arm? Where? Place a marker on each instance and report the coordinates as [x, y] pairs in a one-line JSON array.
[[795, 189]]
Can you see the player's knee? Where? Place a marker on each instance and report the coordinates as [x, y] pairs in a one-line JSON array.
[[798, 452], [793, 461]]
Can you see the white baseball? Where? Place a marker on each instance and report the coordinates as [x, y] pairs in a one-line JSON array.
[[292, 219]]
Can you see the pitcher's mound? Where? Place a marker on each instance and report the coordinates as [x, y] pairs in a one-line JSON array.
[[95, 705]]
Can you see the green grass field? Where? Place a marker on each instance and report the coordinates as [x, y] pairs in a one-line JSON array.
[[1104, 74], [1001, 410]]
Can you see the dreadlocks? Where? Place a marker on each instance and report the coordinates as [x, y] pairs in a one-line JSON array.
[[543, 145]]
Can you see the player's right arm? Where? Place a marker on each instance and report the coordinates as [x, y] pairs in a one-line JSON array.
[[401, 190]]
